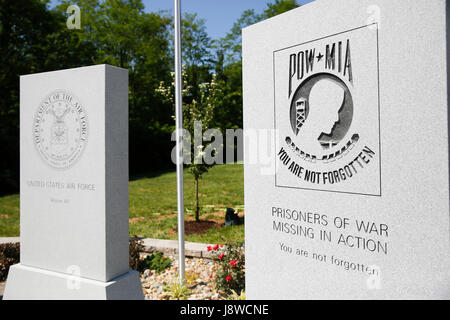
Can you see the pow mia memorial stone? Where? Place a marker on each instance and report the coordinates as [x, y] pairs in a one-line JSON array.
[[356, 202], [74, 187]]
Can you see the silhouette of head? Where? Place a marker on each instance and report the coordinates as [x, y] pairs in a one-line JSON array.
[[325, 100]]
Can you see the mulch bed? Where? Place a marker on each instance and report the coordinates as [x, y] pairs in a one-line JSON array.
[[201, 227]]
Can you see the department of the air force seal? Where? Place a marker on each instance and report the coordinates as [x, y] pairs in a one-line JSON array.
[[327, 114], [60, 129]]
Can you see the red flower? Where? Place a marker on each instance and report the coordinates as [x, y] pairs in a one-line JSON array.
[[209, 248], [210, 276], [221, 255], [228, 278], [216, 247], [233, 263], [221, 245]]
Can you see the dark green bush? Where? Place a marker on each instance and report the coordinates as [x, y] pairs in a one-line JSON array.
[[136, 247], [9, 255], [156, 261]]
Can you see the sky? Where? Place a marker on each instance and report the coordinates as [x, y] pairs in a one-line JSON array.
[[219, 15]]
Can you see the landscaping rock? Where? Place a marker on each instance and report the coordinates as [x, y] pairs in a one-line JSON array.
[[147, 273], [202, 289]]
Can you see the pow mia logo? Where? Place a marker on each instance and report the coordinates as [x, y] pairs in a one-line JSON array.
[[321, 113], [60, 129], [327, 114]]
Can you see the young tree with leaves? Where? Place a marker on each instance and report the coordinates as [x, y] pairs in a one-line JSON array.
[[198, 118]]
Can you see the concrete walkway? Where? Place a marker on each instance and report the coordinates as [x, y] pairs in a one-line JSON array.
[[9, 240], [168, 247]]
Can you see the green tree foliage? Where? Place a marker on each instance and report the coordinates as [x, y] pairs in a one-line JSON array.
[[195, 41], [231, 44], [197, 58], [35, 38], [229, 62], [278, 7], [126, 36], [32, 39]]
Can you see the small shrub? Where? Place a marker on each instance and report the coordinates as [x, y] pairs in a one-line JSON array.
[[136, 247], [9, 255], [230, 275], [177, 290], [191, 278], [156, 261]]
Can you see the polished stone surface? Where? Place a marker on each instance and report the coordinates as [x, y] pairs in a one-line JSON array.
[[350, 199]]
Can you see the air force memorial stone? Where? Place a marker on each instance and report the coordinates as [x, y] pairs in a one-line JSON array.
[[74, 187], [355, 201]]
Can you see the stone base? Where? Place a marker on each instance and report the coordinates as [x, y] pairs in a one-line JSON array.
[[28, 283]]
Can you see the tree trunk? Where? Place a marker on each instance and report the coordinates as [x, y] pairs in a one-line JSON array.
[[197, 205]]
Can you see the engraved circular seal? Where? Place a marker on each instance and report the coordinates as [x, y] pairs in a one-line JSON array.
[[322, 110], [60, 129], [321, 115]]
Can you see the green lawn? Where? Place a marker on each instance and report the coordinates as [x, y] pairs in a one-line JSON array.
[[153, 205], [9, 216]]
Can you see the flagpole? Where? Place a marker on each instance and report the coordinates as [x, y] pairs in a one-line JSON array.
[[179, 133]]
